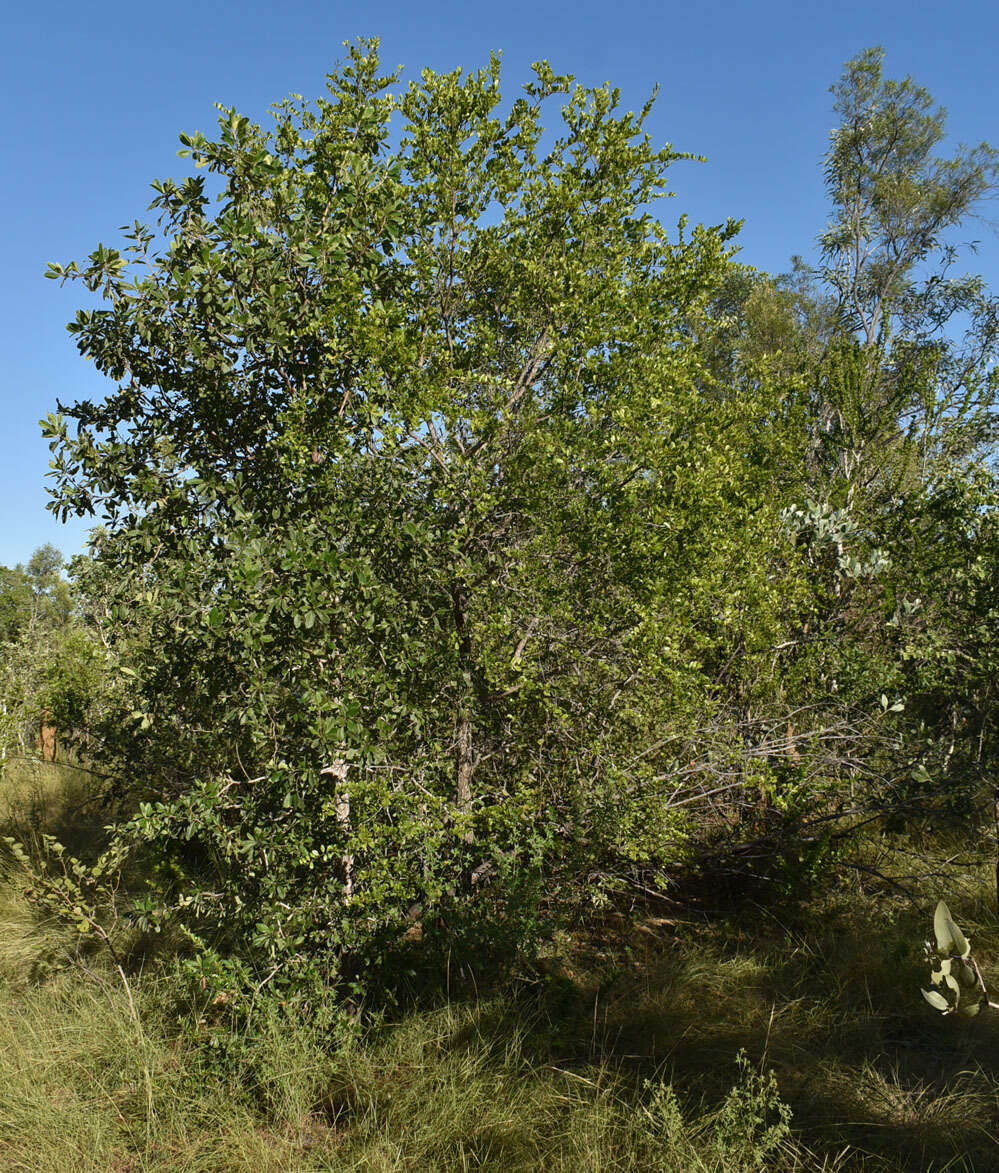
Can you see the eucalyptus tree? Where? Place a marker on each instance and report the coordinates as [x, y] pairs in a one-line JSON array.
[[51, 671], [901, 421], [881, 361], [925, 393]]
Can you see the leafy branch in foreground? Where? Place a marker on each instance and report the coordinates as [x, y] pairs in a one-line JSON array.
[[957, 986]]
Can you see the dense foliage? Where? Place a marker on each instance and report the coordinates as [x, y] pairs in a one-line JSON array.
[[473, 546]]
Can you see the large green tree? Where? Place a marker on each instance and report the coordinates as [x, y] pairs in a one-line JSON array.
[[419, 517]]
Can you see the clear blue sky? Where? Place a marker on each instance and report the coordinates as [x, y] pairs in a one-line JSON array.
[[94, 96]]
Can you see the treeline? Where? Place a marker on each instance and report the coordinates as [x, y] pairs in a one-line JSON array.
[[475, 551], [52, 672]]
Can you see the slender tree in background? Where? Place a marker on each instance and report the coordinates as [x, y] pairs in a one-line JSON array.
[[925, 391], [910, 401], [900, 413], [882, 367]]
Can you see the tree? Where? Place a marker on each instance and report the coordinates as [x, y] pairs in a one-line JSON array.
[[908, 402], [881, 365], [33, 595], [418, 524], [928, 389], [894, 201], [900, 411]]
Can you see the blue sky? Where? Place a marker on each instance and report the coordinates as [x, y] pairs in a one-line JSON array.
[[94, 96]]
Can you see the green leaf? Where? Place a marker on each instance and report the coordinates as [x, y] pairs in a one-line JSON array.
[[953, 984], [950, 940], [936, 1000], [966, 975]]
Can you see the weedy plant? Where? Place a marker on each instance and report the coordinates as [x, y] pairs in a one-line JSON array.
[[956, 981]]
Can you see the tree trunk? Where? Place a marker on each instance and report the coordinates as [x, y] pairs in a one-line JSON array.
[[464, 762], [464, 754], [338, 771]]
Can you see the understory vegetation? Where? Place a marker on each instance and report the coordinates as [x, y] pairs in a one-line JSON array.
[[532, 675], [707, 1036]]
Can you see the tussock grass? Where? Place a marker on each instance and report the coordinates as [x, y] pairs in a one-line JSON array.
[[48, 796], [452, 1089], [619, 1052], [38, 798]]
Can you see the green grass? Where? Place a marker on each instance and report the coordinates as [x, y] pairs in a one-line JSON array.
[[620, 1052], [462, 1087]]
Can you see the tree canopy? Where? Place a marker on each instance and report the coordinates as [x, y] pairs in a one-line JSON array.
[[472, 543]]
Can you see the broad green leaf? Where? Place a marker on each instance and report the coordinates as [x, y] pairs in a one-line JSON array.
[[936, 1000], [950, 940]]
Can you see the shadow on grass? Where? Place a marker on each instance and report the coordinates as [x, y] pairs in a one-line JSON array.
[[62, 799], [829, 1001]]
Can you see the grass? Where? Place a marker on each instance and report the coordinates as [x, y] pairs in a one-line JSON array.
[[619, 1052], [462, 1087]]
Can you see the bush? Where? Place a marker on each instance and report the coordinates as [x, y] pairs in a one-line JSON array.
[[418, 524]]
